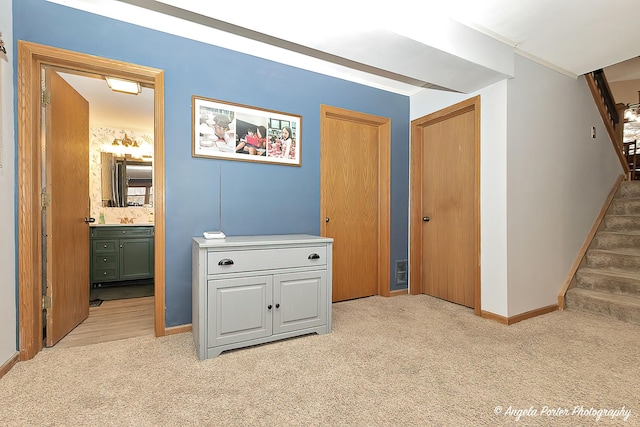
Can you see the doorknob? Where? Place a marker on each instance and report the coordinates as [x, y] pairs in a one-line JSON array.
[[89, 220], [326, 219], [426, 218]]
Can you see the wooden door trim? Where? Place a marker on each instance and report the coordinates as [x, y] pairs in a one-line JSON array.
[[31, 57], [384, 185], [415, 190]]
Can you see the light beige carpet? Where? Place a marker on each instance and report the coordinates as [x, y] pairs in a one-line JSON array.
[[402, 361]]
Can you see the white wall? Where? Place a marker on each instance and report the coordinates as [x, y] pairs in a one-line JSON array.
[[7, 191], [493, 183], [558, 177]]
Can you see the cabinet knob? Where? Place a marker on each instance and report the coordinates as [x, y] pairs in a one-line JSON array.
[[225, 261], [124, 232], [314, 256], [104, 259], [120, 245], [105, 273], [278, 305], [269, 306], [105, 246]]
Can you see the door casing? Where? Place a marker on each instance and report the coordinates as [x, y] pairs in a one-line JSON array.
[[415, 170], [31, 57]]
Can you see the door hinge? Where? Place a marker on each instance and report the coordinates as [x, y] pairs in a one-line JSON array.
[[46, 200], [45, 96], [46, 302]]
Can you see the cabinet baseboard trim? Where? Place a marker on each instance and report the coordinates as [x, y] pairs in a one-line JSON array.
[[519, 317], [9, 364], [177, 329]]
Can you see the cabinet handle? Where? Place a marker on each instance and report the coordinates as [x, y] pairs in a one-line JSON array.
[[314, 256], [225, 261], [269, 306], [278, 305]]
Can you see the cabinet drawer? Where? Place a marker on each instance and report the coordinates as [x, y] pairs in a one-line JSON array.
[[106, 261], [105, 246], [120, 232], [104, 274], [265, 259]]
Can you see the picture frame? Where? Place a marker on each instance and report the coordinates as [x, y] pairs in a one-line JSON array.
[[230, 131]]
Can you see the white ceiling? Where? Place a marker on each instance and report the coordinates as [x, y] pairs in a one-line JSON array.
[[575, 35], [403, 46], [113, 109], [626, 70]]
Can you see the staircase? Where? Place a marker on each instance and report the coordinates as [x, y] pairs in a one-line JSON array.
[[608, 279]]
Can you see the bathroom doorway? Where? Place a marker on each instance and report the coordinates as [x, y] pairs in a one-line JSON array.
[[31, 57]]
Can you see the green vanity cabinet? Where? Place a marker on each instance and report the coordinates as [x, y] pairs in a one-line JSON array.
[[121, 253]]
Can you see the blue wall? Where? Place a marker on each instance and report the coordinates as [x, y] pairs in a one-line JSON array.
[[252, 204]]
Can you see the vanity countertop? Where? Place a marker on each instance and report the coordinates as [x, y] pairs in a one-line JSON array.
[[137, 224]]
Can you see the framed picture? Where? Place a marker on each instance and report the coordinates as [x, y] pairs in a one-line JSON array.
[[224, 130]]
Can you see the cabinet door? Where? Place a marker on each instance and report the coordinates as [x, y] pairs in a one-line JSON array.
[[136, 258], [300, 301], [238, 309]]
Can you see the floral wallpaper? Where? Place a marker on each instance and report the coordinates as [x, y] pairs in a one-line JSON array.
[[103, 137], [631, 131]]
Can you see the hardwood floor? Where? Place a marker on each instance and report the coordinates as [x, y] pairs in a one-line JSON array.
[[113, 320]]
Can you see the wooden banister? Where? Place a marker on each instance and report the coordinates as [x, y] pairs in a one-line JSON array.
[[603, 98], [606, 95]]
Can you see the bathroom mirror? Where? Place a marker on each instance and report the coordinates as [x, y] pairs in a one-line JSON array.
[[126, 182]]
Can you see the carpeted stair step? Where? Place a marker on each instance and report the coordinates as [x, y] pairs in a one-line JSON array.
[[624, 206], [622, 307], [621, 223], [608, 282], [625, 260], [616, 240], [618, 283], [629, 190]]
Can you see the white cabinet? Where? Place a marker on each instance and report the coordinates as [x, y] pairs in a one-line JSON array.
[[250, 290]]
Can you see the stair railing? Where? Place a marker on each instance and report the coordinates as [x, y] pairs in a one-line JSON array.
[[609, 111]]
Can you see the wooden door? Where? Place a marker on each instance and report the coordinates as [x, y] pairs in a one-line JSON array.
[[355, 158], [445, 208], [67, 188]]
